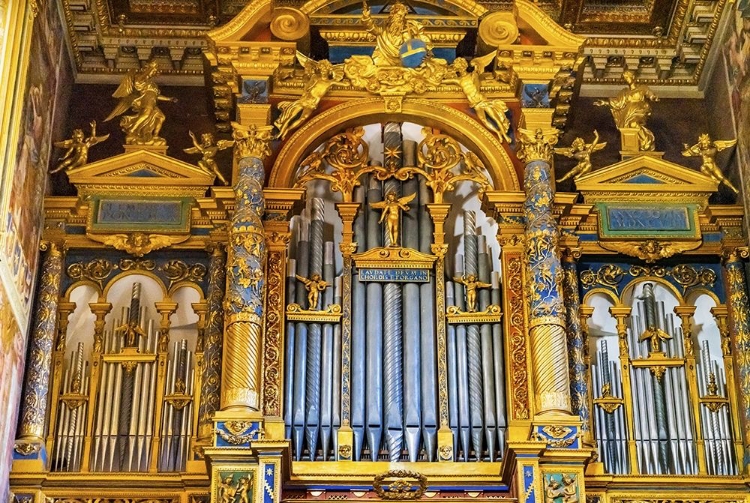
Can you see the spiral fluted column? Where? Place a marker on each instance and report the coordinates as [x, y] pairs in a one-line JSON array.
[[543, 276], [36, 386], [211, 374], [246, 258]]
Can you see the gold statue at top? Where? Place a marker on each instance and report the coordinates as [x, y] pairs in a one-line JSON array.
[[78, 148], [138, 92], [631, 108], [707, 149], [319, 77], [581, 152], [209, 147], [390, 38], [490, 112], [392, 207]]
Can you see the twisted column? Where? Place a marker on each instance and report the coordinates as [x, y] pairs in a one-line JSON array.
[[246, 259], [211, 372], [577, 350], [36, 385], [543, 276], [740, 328]]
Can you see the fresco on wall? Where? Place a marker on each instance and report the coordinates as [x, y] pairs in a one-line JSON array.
[[737, 52], [22, 220], [12, 349]]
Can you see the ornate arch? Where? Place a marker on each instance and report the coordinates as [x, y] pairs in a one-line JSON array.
[[449, 120]]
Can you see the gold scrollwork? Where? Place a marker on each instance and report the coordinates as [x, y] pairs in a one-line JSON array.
[[127, 264], [177, 270], [272, 345], [400, 485], [96, 270]]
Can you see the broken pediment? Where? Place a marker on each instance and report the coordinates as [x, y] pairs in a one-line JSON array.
[[141, 172]]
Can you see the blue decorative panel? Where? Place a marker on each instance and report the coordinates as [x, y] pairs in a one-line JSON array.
[[648, 221], [124, 214], [395, 275]]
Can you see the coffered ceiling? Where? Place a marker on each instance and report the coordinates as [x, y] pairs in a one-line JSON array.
[[667, 41]]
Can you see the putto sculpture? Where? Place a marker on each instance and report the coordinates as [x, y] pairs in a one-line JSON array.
[[78, 149], [707, 149]]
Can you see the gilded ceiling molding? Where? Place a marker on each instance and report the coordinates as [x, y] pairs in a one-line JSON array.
[[428, 113]]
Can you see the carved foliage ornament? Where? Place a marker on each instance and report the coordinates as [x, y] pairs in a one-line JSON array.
[[138, 244], [96, 270], [610, 275], [400, 485], [650, 250], [177, 270]]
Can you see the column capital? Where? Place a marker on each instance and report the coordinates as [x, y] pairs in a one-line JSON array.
[[252, 141], [537, 145]]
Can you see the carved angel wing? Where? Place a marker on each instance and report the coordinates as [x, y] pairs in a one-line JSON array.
[[192, 150], [407, 199], [126, 93], [480, 62], [722, 144], [598, 146], [222, 144], [566, 151], [64, 143], [379, 205]]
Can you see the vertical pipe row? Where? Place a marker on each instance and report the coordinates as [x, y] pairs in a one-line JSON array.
[[326, 383], [374, 332], [498, 362], [300, 350]]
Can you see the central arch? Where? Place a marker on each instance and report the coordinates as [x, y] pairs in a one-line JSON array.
[[419, 111]]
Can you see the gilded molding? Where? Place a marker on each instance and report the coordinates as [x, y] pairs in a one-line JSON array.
[[272, 352], [516, 335]]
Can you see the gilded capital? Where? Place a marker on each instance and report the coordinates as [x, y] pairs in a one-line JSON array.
[[252, 141], [537, 145]]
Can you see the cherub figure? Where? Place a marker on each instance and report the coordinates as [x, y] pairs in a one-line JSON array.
[[631, 108], [552, 491], [243, 490], [138, 92], [131, 330], [319, 77], [209, 147], [314, 285], [226, 490], [707, 149], [472, 284], [78, 149], [581, 152], [392, 207], [490, 112], [570, 491]]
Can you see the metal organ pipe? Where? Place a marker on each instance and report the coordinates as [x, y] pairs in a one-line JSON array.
[[326, 383], [488, 376], [289, 359], [300, 350], [359, 324]]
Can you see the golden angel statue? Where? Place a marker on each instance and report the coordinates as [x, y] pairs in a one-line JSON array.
[[392, 207], [78, 148], [490, 112], [138, 92], [537, 144], [319, 77], [707, 149], [581, 152], [209, 147], [314, 285], [472, 284], [390, 38], [131, 330], [631, 108]]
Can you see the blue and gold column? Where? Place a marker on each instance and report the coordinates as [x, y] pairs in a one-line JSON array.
[[739, 318], [544, 275], [577, 349], [214, 330], [246, 259], [30, 443]]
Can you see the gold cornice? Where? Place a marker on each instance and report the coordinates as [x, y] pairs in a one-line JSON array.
[[249, 17], [468, 6]]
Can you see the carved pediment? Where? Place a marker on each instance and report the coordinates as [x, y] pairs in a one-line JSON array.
[[141, 172], [647, 178]]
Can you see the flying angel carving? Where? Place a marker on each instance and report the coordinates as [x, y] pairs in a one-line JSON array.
[[707, 149], [208, 147], [319, 77], [581, 152], [78, 148]]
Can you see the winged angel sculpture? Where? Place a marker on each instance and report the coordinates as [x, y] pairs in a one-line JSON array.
[[581, 152], [319, 77], [138, 92], [707, 149], [78, 149]]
